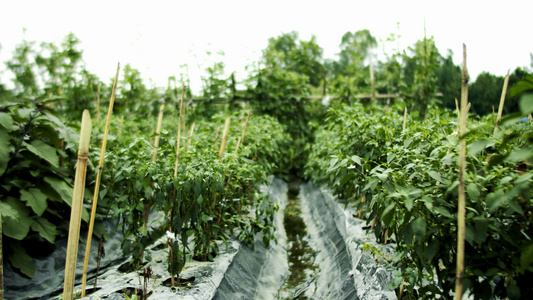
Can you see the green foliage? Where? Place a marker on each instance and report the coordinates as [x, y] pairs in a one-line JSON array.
[[37, 156], [210, 199], [351, 73], [420, 74], [409, 181], [61, 72]]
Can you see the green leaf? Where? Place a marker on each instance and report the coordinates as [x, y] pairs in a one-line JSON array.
[[419, 227], [20, 259], [513, 291], [19, 227], [494, 200], [470, 234], [5, 149], [390, 157], [526, 258], [526, 104], [44, 151], [479, 145], [432, 249], [521, 86], [35, 199], [519, 155], [482, 226], [336, 166], [388, 214], [472, 191], [435, 175], [46, 229], [409, 203], [6, 121], [452, 139], [65, 191], [356, 159]]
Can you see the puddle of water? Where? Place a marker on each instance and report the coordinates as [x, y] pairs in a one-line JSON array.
[[300, 255]]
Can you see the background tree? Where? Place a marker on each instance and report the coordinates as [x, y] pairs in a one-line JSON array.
[[23, 67], [449, 81], [289, 70], [420, 74], [485, 93], [351, 73]]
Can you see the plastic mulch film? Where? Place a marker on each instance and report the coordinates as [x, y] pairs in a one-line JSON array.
[[346, 271]]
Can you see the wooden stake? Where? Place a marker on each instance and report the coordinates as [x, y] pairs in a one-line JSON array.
[[245, 124], [502, 102], [372, 82], [76, 207], [224, 138], [158, 132], [175, 176], [98, 105], [98, 180], [404, 118], [461, 209]]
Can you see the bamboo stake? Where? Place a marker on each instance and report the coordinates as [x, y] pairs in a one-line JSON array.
[[158, 132], [175, 176], [154, 157], [404, 119], [245, 124], [462, 196], [182, 107], [76, 207], [224, 138], [502, 102], [98, 105], [372, 82], [98, 179], [191, 132]]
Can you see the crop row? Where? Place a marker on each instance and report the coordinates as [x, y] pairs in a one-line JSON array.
[[210, 193], [404, 181]]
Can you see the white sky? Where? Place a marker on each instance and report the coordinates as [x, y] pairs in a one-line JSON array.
[[157, 37]]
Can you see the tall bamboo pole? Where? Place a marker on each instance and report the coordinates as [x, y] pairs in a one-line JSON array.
[[372, 82], [175, 176], [404, 118], [502, 102], [245, 124], [98, 105], [76, 207], [224, 138], [158, 132], [98, 180], [154, 157], [462, 196]]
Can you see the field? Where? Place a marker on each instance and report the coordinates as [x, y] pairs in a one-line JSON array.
[[177, 178]]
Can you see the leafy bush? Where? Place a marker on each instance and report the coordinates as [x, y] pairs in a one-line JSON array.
[[37, 157], [406, 183]]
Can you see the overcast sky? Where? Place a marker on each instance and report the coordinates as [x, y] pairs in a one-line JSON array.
[[159, 37]]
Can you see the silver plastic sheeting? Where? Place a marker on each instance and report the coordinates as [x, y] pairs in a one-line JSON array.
[[346, 271]]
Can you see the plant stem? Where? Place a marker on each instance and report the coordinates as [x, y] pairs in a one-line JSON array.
[[77, 205]]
